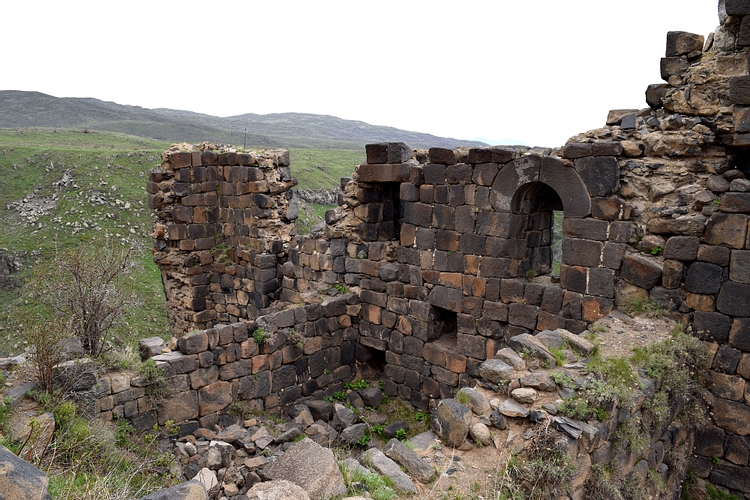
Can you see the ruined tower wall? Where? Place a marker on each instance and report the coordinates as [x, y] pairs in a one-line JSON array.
[[223, 229], [447, 251]]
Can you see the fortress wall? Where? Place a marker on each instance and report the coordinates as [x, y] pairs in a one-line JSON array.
[[306, 352], [223, 227], [447, 251]]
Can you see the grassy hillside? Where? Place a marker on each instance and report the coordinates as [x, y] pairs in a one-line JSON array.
[[65, 188]]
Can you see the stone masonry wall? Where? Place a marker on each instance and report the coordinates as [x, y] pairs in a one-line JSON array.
[[447, 250], [309, 353], [223, 226]]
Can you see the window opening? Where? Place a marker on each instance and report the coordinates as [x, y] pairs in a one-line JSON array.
[[445, 327]]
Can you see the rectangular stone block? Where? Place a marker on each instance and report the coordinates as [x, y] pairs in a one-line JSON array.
[[590, 229], [523, 315], [398, 172], [442, 155], [579, 252], [726, 229]]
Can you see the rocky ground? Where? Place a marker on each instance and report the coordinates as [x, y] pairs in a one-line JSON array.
[[462, 450]]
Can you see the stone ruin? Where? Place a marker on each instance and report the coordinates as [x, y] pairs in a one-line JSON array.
[[424, 269]]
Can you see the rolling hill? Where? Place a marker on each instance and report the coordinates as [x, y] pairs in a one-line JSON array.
[[20, 109]]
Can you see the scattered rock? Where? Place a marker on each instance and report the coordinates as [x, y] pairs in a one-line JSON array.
[[189, 490], [309, 466], [391, 470]]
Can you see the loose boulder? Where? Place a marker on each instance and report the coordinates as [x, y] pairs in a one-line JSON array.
[[451, 422], [19, 480], [309, 466]]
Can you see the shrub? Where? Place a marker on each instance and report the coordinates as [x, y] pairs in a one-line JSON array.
[[260, 335], [45, 337], [87, 286]]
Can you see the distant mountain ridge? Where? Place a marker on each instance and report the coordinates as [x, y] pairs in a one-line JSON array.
[[20, 109]]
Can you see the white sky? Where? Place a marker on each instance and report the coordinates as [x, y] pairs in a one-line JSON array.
[[533, 71]]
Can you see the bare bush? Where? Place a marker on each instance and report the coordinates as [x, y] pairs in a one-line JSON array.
[[85, 289], [46, 339]]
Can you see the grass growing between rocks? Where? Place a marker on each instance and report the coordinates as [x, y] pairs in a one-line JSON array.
[[93, 460], [676, 362], [378, 487]]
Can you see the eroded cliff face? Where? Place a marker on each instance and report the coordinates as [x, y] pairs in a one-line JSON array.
[[445, 252]]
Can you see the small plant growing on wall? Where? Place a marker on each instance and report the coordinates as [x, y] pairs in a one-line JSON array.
[[260, 335], [296, 338]]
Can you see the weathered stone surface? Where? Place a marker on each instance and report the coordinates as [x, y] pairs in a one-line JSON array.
[[568, 185], [390, 469], [672, 274], [150, 347], [309, 466], [443, 156], [640, 271], [562, 338], [447, 298], [179, 407], [214, 397], [692, 225], [737, 7], [680, 43], [655, 93], [671, 66], [576, 150], [731, 476], [682, 248], [407, 458], [511, 357], [279, 489], [525, 395], [601, 174], [190, 490], [513, 175], [527, 342], [540, 380], [735, 202], [726, 229], [703, 278], [739, 266], [615, 116], [732, 416], [739, 90], [480, 433], [193, 343], [734, 299], [496, 371], [739, 335], [219, 454], [450, 422], [726, 360], [711, 326], [510, 408], [19, 480], [352, 434], [476, 402]]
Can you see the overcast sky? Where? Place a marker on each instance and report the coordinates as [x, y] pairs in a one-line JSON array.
[[536, 72]]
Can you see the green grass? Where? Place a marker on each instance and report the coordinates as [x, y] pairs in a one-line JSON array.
[[323, 168], [311, 214]]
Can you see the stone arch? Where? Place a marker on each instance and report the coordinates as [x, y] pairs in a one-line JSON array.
[[565, 181], [531, 188]]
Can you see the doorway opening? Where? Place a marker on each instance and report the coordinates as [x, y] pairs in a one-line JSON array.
[[537, 203]]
